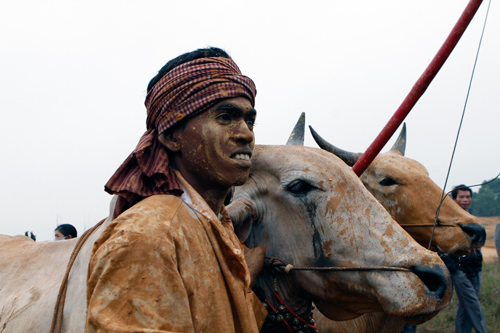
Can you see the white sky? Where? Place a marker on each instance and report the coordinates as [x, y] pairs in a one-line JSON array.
[[73, 77]]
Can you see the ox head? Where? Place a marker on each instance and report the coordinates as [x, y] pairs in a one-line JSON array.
[[308, 208], [404, 188]]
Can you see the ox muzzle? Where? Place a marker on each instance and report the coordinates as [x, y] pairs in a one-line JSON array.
[[476, 232]]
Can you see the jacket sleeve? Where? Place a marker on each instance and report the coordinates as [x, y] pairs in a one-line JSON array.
[[134, 286]]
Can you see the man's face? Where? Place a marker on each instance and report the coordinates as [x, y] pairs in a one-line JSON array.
[[215, 147], [463, 199]]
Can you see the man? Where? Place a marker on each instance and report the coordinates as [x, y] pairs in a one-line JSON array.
[[466, 276], [170, 261]]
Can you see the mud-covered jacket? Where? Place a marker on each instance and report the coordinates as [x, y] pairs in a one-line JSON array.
[[167, 265]]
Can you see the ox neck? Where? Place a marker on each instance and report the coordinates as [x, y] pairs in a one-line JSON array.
[[279, 294]]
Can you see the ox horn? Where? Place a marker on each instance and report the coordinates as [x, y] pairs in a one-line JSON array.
[[400, 144], [348, 157], [296, 138]]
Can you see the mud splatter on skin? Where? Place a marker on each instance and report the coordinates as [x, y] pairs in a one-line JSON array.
[[322, 230], [206, 148], [327, 246]]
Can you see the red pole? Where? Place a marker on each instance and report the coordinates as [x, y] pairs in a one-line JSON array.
[[418, 89]]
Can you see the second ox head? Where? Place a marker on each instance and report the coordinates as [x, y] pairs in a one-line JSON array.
[[404, 188], [308, 208]]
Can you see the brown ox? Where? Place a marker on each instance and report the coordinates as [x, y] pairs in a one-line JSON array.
[[403, 187], [307, 207]]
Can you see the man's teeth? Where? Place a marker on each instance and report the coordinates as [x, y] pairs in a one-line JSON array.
[[242, 157]]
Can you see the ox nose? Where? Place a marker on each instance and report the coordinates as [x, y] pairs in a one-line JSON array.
[[476, 232], [434, 279]]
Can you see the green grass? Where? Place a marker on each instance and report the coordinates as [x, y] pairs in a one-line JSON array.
[[489, 297]]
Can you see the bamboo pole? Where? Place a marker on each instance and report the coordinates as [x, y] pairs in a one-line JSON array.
[[418, 89]]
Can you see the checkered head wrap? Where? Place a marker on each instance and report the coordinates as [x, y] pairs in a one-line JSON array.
[[185, 91]]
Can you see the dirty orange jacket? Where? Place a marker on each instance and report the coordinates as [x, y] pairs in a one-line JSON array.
[[170, 265]]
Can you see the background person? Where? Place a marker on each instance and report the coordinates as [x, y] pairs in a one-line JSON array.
[[65, 231], [30, 234], [466, 276]]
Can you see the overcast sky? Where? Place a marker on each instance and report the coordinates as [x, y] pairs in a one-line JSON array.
[[73, 77]]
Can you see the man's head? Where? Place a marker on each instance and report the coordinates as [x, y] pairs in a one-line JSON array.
[[462, 195], [200, 121], [202, 109]]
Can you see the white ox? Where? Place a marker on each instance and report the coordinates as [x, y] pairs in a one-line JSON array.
[[308, 210], [403, 187], [307, 207]]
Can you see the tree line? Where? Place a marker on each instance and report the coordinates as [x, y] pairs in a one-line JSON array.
[[486, 202]]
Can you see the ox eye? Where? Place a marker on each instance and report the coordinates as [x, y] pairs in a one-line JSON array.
[[388, 182], [300, 187]]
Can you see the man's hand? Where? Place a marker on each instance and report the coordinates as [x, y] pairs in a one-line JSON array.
[[255, 260], [450, 261]]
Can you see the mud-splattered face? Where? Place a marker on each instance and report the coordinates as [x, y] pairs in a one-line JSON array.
[[214, 148]]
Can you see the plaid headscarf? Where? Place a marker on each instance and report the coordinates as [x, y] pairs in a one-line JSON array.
[[184, 91]]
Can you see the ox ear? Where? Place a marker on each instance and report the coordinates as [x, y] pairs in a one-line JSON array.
[[348, 157], [400, 144], [243, 214], [296, 138]]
